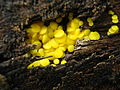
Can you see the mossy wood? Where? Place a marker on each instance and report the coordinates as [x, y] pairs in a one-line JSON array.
[[95, 66]]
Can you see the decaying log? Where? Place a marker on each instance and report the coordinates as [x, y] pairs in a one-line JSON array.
[[95, 65]]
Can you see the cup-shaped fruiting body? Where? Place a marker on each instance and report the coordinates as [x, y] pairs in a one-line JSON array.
[[90, 22], [113, 30], [113, 17], [42, 63], [94, 36]]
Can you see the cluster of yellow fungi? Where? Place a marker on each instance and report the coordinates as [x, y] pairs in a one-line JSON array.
[[53, 41], [114, 28]]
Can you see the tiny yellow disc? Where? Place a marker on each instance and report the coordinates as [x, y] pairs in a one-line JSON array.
[[89, 20], [86, 32], [54, 44], [111, 12], [70, 29], [47, 45], [34, 64], [58, 53], [72, 36], [94, 36], [53, 25], [45, 38], [63, 62], [71, 48], [56, 61], [44, 62], [59, 33], [35, 28], [114, 27], [81, 35], [40, 52], [90, 23], [58, 20], [70, 41], [43, 30], [34, 52], [53, 65], [115, 20], [80, 23], [114, 17], [38, 43]]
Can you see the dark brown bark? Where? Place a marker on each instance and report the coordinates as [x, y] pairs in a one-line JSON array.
[[96, 65]]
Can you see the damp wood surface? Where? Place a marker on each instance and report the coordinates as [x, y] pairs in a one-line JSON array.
[[89, 67]]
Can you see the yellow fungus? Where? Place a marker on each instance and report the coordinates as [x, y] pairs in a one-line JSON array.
[[63, 15], [74, 24], [53, 65], [32, 40], [28, 41], [108, 33], [34, 64], [76, 20], [76, 32], [44, 62], [115, 20], [34, 52], [72, 36], [69, 24], [63, 62], [113, 30], [71, 48], [81, 35], [86, 32], [114, 17], [40, 23], [60, 27], [54, 44], [29, 30], [43, 30], [59, 33], [56, 61], [34, 36], [69, 29], [49, 50], [89, 20], [35, 28], [90, 23], [58, 20], [111, 12], [63, 48], [71, 14], [53, 41], [114, 27], [40, 52], [47, 45], [50, 54], [27, 55], [80, 23], [50, 32], [86, 37], [53, 25], [40, 37], [58, 53], [38, 43], [70, 17], [70, 41], [61, 40], [94, 36], [45, 38]]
